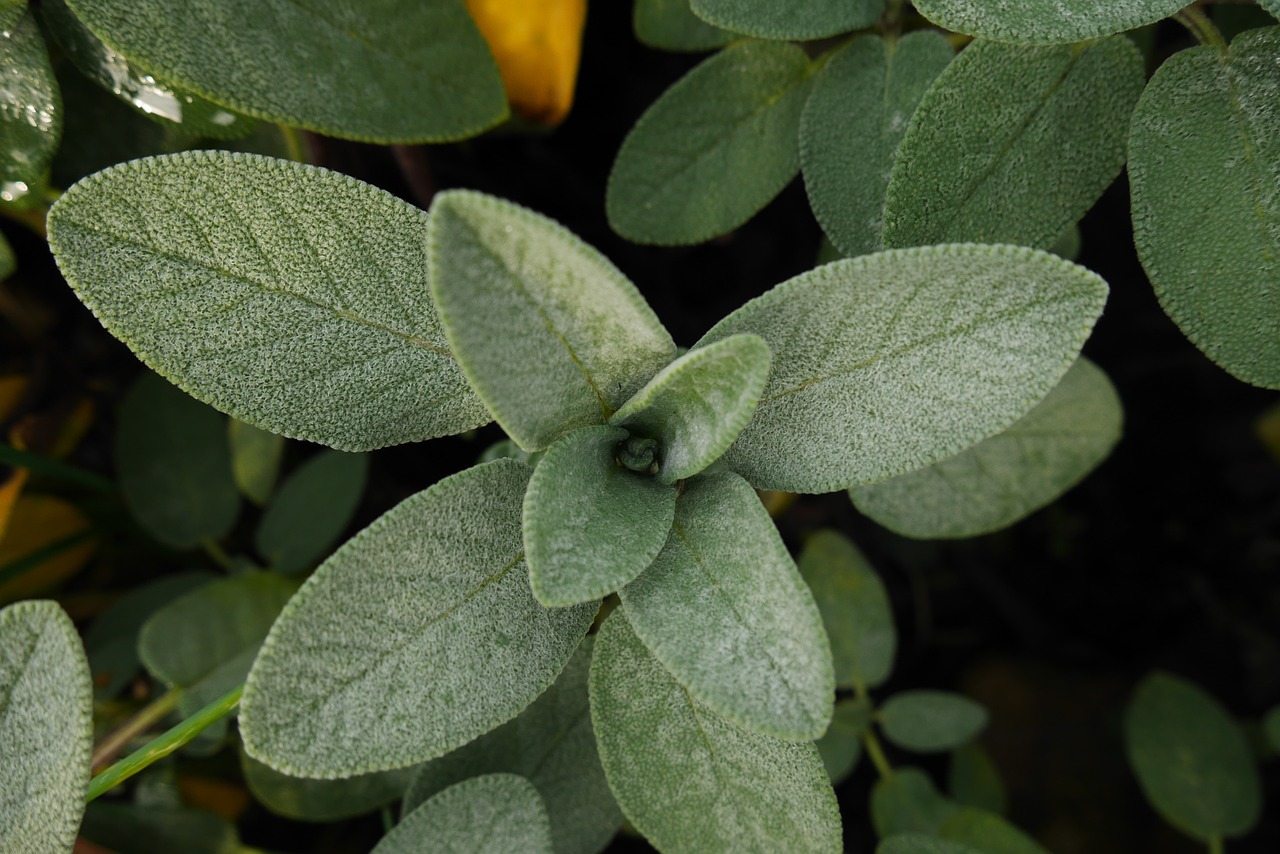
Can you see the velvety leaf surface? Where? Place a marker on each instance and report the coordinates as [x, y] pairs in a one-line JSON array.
[[311, 510], [1191, 759], [688, 779], [1009, 476], [1205, 179], [894, 361], [908, 802], [1013, 144], [46, 728], [433, 73], [916, 843], [714, 149], [671, 25], [725, 611], [852, 124], [929, 721], [1046, 21], [30, 109], [305, 799], [552, 745], [255, 459], [696, 406], [493, 814], [591, 525], [800, 20], [988, 833], [174, 464], [291, 297], [552, 335], [974, 781], [841, 745], [855, 609], [416, 636]]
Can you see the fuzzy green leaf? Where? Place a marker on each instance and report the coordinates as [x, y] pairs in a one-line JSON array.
[[1046, 21], [433, 73], [930, 721], [714, 149], [552, 335], [1205, 178], [11, 12], [725, 610], [311, 510], [1009, 476], [671, 25], [292, 298], [915, 843], [799, 20], [255, 459], [841, 745], [416, 636], [1272, 6], [30, 110], [591, 525], [907, 802], [852, 124], [493, 814], [1013, 144], [988, 833], [305, 799], [46, 728], [696, 406], [890, 362], [174, 464], [552, 745], [855, 609], [974, 781], [1191, 759], [690, 780]]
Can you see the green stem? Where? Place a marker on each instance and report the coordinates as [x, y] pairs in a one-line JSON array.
[[891, 22], [162, 746], [1216, 845], [37, 464], [1195, 20], [17, 568], [215, 551], [877, 754], [388, 820], [151, 714], [293, 144]]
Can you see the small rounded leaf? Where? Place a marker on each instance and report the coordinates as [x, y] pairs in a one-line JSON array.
[[987, 832], [671, 25], [493, 814], [930, 721], [907, 802], [1046, 21], [311, 510], [797, 20], [974, 781]]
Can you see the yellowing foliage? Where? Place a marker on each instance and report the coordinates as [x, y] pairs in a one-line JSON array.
[[537, 47], [42, 522]]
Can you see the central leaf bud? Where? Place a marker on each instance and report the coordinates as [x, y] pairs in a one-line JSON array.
[[639, 454]]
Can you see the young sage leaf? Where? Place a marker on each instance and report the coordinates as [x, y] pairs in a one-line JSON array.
[[799, 20], [890, 362], [551, 334], [987, 831], [416, 636], [304, 799], [1041, 22], [255, 459], [930, 721], [841, 745], [590, 524], [292, 298], [696, 406], [30, 110], [671, 25], [690, 780], [492, 814], [311, 510], [908, 802], [714, 149]]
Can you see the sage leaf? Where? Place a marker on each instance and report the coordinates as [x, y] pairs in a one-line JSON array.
[[11, 12], [552, 745], [916, 843], [841, 745], [907, 802], [30, 110], [725, 611], [855, 609], [890, 362], [696, 406], [1192, 759], [434, 74], [1211, 245], [174, 465], [974, 781], [46, 729], [1068, 244], [852, 125], [311, 510], [799, 20], [493, 814], [987, 832], [671, 25], [1046, 21], [690, 780], [591, 525], [552, 335], [1009, 476], [255, 459], [416, 636], [288, 285], [304, 799], [158, 829], [1013, 144], [1272, 6], [714, 149], [930, 721]]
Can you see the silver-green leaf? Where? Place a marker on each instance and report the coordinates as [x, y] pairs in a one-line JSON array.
[[416, 636], [552, 335], [492, 814], [671, 25], [1046, 21], [894, 361], [930, 721], [30, 110], [798, 20], [290, 297]]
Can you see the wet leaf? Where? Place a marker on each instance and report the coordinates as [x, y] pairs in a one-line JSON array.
[[30, 111]]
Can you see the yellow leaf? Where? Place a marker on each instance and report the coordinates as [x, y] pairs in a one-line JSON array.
[[14, 480], [11, 390], [42, 524], [537, 47]]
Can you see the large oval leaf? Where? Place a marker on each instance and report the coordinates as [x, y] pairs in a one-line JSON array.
[[1046, 21], [714, 149], [799, 20], [290, 297], [417, 636], [1013, 144], [552, 335], [891, 362], [1205, 175], [314, 64], [493, 814], [46, 728], [690, 780], [1010, 475], [30, 110], [671, 25]]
